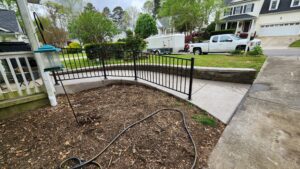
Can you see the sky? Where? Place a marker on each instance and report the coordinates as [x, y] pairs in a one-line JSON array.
[[100, 4]]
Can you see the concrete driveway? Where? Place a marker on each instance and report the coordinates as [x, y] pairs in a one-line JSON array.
[[282, 52], [265, 131]]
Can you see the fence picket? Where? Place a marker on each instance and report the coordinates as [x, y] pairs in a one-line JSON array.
[[25, 82], [14, 76]]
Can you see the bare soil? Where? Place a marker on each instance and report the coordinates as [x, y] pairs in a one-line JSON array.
[[44, 137]]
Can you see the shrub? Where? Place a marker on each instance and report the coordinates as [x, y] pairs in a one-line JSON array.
[[257, 51], [237, 52], [229, 31], [73, 47], [135, 43], [94, 51]]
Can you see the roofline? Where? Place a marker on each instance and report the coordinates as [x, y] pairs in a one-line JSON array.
[[240, 2], [274, 12], [5, 30]]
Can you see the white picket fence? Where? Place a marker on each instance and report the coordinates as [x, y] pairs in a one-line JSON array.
[[19, 73]]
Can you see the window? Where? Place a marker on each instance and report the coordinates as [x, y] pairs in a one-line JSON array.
[[215, 39], [274, 5], [295, 3], [225, 39], [227, 11], [248, 8], [232, 25], [223, 26], [237, 10]]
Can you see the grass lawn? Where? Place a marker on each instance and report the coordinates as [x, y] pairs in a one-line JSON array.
[[295, 44], [255, 62], [215, 60]]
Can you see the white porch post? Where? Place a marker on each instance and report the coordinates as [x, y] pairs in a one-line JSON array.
[[29, 27], [226, 25], [249, 34], [237, 27]]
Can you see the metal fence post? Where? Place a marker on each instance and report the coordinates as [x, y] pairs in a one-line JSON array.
[[55, 78], [191, 77], [134, 65], [103, 62]]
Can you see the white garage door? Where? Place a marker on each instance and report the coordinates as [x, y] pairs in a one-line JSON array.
[[285, 29]]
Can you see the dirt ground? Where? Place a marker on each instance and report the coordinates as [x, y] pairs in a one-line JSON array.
[[44, 137]]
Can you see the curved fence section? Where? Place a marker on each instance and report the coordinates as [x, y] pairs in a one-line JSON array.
[[172, 72]]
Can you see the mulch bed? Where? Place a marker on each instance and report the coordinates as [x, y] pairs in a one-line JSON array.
[[44, 137]]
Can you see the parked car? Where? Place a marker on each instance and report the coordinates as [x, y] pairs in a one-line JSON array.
[[223, 44]]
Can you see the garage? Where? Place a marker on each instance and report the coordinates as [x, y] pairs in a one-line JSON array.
[[282, 29]]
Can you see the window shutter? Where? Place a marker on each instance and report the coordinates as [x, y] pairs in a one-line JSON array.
[[252, 8], [245, 7], [241, 11]]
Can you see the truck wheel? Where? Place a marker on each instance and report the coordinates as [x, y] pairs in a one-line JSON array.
[[198, 51]]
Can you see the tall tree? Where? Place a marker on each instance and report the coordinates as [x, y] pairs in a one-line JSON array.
[[106, 12], [189, 14], [55, 11], [90, 7], [117, 14], [156, 9], [133, 14], [148, 7], [53, 35], [92, 27], [145, 26], [73, 7]]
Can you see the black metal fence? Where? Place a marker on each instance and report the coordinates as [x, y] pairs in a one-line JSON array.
[[174, 73]]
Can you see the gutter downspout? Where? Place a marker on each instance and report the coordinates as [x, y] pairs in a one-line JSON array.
[[29, 27]]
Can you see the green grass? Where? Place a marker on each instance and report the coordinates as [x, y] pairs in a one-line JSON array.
[[255, 62], [204, 120], [214, 60], [295, 44]]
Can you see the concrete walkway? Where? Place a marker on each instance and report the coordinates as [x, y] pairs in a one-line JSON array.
[[220, 99], [265, 131]]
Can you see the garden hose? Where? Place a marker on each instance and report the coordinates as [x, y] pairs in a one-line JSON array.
[[79, 164]]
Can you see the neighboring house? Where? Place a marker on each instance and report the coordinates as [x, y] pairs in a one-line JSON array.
[[262, 17], [279, 18], [10, 30], [164, 26]]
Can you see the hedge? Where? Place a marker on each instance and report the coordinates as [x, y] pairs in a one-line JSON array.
[[73, 47], [93, 51], [229, 31]]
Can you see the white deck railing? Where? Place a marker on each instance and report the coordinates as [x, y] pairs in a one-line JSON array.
[[19, 73]]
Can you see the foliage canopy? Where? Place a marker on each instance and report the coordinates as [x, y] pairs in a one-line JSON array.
[[145, 26], [92, 27]]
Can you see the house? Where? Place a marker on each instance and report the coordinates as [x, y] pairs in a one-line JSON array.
[[261, 17], [164, 26], [10, 30], [279, 18]]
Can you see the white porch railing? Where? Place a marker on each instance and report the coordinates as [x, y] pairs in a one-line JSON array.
[[19, 75]]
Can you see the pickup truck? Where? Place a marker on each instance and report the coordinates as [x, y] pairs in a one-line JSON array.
[[223, 44]]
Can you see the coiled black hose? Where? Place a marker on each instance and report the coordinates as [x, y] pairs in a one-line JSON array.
[[81, 163]]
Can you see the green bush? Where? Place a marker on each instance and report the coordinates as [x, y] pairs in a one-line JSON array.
[[237, 52], [257, 51], [107, 50], [74, 47], [229, 31]]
